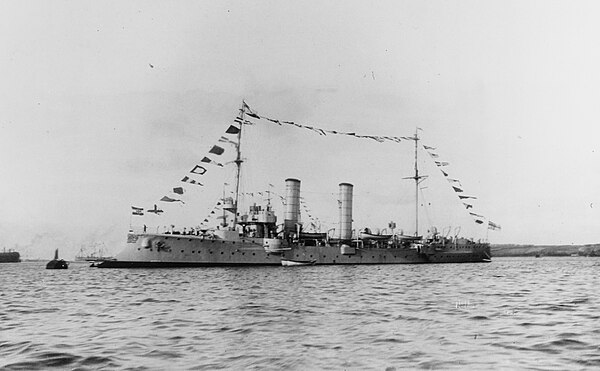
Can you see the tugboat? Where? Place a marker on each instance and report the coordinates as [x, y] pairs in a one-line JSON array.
[[57, 263], [256, 239]]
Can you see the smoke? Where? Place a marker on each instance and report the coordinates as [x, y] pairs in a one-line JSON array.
[[41, 245]]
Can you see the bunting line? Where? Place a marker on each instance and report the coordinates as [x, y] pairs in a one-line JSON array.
[[224, 139], [458, 190], [493, 226], [211, 161], [323, 132], [169, 199], [216, 150], [249, 112], [187, 179], [198, 169]]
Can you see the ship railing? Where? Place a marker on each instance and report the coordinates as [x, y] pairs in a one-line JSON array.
[[136, 229], [165, 230]]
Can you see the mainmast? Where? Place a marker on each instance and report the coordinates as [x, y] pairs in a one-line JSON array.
[[416, 183], [238, 162], [417, 178]]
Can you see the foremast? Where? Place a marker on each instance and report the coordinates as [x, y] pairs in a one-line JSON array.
[[238, 162]]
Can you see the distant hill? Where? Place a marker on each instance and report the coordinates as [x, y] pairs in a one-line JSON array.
[[545, 250]]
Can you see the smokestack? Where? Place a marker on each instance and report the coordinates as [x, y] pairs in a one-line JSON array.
[[345, 211], [292, 204]]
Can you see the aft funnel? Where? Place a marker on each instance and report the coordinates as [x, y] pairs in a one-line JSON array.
[[345, 211], [292, 204]]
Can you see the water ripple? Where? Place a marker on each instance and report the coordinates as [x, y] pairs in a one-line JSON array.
[[519, 313]]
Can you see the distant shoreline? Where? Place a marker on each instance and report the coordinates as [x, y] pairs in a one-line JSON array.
[[545, 250]]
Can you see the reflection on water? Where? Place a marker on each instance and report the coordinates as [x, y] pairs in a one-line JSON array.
[[511, 313]]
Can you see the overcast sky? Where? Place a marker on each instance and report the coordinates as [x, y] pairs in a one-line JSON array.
[[104, 105]]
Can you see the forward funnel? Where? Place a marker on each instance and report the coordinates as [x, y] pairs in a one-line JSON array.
[[345, 211], [292, 204]]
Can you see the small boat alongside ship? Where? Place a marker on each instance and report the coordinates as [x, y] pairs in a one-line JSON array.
[[296, 263], [97, 254], [256, 238]]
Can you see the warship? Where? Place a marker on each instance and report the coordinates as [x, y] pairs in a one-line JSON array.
[[254, 237]]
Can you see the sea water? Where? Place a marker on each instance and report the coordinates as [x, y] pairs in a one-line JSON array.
[[513, 313]]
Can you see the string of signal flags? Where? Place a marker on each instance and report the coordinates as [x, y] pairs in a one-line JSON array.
[[458, 189], [193, 177], [231, 137]]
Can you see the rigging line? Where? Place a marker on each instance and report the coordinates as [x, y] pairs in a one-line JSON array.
[[425, 207], [317, 192]]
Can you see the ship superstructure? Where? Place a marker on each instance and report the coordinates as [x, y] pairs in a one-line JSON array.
[[349, 246]]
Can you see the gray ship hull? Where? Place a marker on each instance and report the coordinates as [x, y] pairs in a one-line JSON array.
[[329, 255], [164, 250]]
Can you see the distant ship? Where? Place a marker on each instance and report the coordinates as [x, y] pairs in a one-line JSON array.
[[96, 255], [255, 238], [10, 256]]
